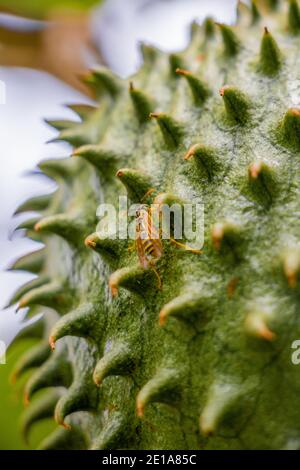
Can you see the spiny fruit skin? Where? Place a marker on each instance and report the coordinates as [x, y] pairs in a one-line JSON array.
[[205, 362]]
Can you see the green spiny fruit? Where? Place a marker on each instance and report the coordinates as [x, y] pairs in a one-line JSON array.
[[205, 362]]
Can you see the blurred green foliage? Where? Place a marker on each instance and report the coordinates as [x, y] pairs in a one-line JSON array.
[[11, 406], [40, 8]]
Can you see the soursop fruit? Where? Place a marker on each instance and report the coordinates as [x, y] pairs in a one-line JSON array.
[[205, 361]]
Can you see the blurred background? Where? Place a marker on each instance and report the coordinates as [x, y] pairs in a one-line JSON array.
[[44, 47]]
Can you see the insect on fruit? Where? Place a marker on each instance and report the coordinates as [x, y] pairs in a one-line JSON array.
[[147, 240], [148, 237]]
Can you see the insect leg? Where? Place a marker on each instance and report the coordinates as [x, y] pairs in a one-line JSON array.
[[159, 284], [131, 247], [150, 191], [185, 247]]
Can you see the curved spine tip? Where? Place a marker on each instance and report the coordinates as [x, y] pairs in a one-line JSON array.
[[119, 360], [89, 243], [52, 343], [135, 279], [256, 325], [70, 227], [26, 399], [23, 290], [136, 182], [217, 235], [106, 246], [198, 88], [33, 262], [222, 398], [47, 294], [230, 40], [185, 305], [205, 158], [113, 285], [263, 181], [222, 231], [40, 409], [164, 387], [80, 322], [36, 204], [291, 266], [139, 409]]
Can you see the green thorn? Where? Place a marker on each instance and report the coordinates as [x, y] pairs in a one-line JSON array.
[[270, 56], [198, 88], [230, 40], [168, 199], [175, 62], [40, 409], [236, 104], [84, 111], [171, 130], [36, 204], [209, 28], [104, 160], [64, 439], [184, 305], [119, 360], [104, 78], [136, 182], [34, 283], [164, 387], [254, 12], [67, 226], [290, 128], [263, 182], [195, 29], [294, 17], [61, 125], [227, 237], [34, 357], [33, 262], [149, 53], [82, 322], [108, 247], [57, 168], [134, 279], [141, 102], [49, 295], [75, 137], [27, 224], [81, 396], [205, 158], [54, 372], [221, 400]]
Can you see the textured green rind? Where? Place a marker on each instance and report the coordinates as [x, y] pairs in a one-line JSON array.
[[216, 371]]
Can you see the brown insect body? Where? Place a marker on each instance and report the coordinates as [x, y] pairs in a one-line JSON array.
[[148, 243]]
